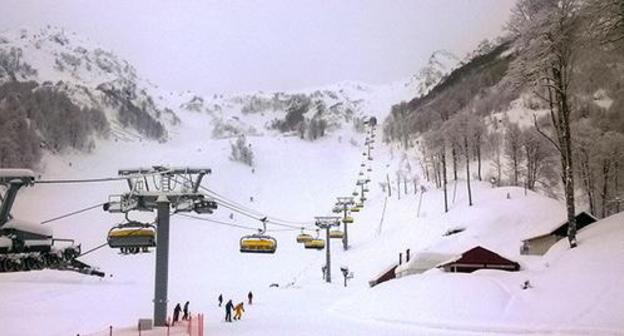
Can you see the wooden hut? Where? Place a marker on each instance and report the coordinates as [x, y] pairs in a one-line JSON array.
[[540, 244], [387, 274], [479, 258]]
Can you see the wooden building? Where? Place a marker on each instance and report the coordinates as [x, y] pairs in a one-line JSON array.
[[387, 274], [479, 258], [540, 244]]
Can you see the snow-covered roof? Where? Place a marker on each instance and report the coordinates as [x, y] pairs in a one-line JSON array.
[[423, 261], [563, 224]]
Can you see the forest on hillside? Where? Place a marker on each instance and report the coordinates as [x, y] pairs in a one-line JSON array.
[[34, 118], [543, 108]]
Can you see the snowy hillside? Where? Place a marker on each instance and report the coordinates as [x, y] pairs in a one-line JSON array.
[[291, 183], [307, 150], [87, 73]]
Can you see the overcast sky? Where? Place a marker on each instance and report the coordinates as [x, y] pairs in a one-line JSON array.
[[231, 45]]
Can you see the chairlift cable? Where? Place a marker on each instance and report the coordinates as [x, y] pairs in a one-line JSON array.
[[73, 213], [93, 249]]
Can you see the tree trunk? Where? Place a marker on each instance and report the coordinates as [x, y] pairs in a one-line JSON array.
[[514, 160], [562, 126], [468, 170], [587, 179], [478, 148], [605, 187], [616, 185], [444, 182], [454, 154]]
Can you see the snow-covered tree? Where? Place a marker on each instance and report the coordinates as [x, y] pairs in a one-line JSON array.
[[242, 152], [548, 37]]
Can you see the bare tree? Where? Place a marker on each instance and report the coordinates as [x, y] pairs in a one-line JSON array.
[[460, 129], [513, 148], [606, 20], [536, 156], [585, 152], [547, 37]]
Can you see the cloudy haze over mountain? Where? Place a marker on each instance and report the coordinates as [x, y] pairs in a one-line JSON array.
[[238, 46]]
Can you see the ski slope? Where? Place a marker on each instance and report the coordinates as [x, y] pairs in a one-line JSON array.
[[575, 292]]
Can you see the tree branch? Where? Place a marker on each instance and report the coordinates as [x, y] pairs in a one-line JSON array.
[[539, 130]]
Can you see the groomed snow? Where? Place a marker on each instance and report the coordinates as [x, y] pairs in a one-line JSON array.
[[576, 291]]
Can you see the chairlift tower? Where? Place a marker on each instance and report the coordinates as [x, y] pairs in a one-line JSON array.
[[162, 189], [362, 183], [345, 203], [327, 222]]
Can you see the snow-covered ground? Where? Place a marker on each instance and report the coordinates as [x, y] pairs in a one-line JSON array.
[[578, 291]]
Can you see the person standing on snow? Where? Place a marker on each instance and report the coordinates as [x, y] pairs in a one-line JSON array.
[[220, 300], [239, 311], [176, 314], [228, 311], [250, 297], [186, 311]]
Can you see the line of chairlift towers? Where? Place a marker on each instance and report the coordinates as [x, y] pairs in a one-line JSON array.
[[134, 237], [24, 249]]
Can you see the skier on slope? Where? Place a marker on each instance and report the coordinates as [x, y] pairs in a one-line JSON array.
[[239, 309], [176, 314], [250, 297], [228, 311], [186, 311], [220, 298]]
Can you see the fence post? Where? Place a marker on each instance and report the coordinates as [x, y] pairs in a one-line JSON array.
[[189, 328], [168, 325], [110, 330]]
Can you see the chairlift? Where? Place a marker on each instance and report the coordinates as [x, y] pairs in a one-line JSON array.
[[132, 237], [316, 243], [303, 237], [258, 242], [347, 220], [354, 209], [355, 193], [337, 209], [336, 234]]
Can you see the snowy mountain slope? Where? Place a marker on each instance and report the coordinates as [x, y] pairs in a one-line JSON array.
[[88, 74], [94, 77], [296, 180], [291, 182], [341, 104]]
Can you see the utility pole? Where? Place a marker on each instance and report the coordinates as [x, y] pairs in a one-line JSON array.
[[171, 188], [345, 203], [327, 222]]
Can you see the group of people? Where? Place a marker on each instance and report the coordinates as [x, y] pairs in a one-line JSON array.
[[239, 309], [176, 313]]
